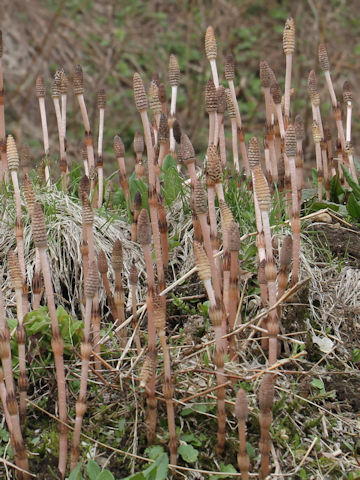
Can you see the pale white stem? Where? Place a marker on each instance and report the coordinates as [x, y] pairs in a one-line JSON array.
[[220, 120], [210, 292], [235, 144], [223, 144], [348, 121], [274, 168], [331, 89], [268, 165], [326, 172], [212, 126], [288, 84], [235, 103], [319, 169], [280, 119], [101, 131], [352, 168], [59, 125], [318, 119], [214, 73], [174, 90], [15, 181], [63, 113], [268, 106], [220, 191], [44, 126], [172, 140], [101, 185]]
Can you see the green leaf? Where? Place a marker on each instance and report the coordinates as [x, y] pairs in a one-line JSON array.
[[159, 469], [105, 475], [136, 476], [76, 473], [355, 355], [154, 451], [172, 185], [224, 468], [353, 207], [169, 162], [317, 383], [355, 187], [188, 453], [92, 470]]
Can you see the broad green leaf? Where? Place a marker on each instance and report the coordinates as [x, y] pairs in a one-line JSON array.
[[317, 383], [159, 469], [355, 187], [76, 473], [353, 207], [169, 162], [105, 475], [92, 470], [172, 185], [135, 476], [154, 451], [226, 469], [188, 453]]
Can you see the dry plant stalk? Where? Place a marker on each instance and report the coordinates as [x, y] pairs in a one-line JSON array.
[[78, 86], [55, 94], [211, 108], [211, 53], [91, 288], [133, 280], [187, 154], [317, 140], [101, 103], [234, 247], [119, 151], [4, 164], [262, 194], [204, 272], [289, 48], [174, 80], [300, 135], [266, 400], [291, 149], [159, 305], [136, 211], [139, 150], [17, 440], [57, 344], [144, 238], [88, 230], [13, 165], [234, 139], [220, 129], [103, 270], [242, 413], [201, 210], [40, 93], [141, 103], [119, 297], [229, 75], [17, 283]]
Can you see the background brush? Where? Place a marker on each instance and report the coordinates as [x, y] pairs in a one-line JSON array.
[[2, 113]]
